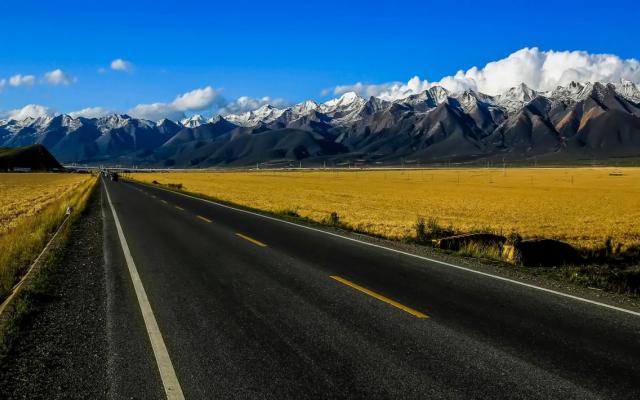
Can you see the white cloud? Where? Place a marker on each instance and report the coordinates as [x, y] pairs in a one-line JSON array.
[[121, 65], [22, 80], [58, 77], [30, 110], [195, 100], [91, 112], [540, 70], [245, 103], [388, 91]]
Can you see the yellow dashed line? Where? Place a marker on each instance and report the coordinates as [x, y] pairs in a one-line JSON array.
[[252, 240], [380, 297]]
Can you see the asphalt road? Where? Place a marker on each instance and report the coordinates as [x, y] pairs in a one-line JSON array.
[[252, 307]]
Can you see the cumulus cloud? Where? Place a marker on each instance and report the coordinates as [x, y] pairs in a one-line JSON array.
[[121, 65], [245, 103], [388, 91], [58, 77], [540, 70], [195, 100], [91, 112], [28, 111], [22, 80]]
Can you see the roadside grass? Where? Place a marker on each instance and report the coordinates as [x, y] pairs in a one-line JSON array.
[[477, 250], [431, 229], [22, 243], [611, 278], [37, 287]]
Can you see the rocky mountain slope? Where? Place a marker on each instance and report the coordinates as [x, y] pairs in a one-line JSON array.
[[577, 122]]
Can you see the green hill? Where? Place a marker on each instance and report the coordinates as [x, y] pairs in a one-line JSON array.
[[35, 158]]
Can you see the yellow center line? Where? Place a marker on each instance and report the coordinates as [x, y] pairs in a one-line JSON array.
[[179, 208], [380, 297], [203, 218], [164, 201], [252, 240]]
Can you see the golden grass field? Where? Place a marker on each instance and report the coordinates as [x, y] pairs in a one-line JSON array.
[[23, 195], [583, 206], [32, 206]]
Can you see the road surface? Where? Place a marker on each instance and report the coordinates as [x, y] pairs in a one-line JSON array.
[[206, 301]]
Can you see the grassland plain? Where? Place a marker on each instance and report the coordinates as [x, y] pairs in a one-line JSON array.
[[582, 206], [32, 206]]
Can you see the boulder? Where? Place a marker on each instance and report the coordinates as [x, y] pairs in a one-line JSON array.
[[541, 253]]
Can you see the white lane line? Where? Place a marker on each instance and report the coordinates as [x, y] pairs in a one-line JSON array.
[[167, 374], [582, 299]]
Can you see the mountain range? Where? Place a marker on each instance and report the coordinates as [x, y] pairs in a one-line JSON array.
[[574, 123]]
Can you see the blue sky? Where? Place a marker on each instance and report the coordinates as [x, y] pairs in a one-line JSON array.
[[290, 50]]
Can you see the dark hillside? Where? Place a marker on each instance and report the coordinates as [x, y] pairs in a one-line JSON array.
[[35, 157]]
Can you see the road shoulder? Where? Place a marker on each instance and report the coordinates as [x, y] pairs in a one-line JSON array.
[[60, 348]]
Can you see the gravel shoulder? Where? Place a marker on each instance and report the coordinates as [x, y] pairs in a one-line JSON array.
[[60, 350]]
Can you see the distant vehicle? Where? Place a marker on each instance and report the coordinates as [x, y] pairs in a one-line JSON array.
[[114, 176]]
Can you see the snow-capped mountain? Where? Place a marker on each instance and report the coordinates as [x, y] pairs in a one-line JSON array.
[[513, 99], [343, 109], [575, 91], [193, 121], [428, 99], [582, 120], [262, 115], [628, 90], [304, 108]]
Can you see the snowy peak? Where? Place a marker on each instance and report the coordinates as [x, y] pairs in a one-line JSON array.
[[469, 99], [216, 119], [115, 120], [439, 94], [304, 108], [262, 115], [628, 90], [345, 100], [522, 93], [573, 92], [516, 97], [429, 98], [193, 122], [65, 121], [344, 109]]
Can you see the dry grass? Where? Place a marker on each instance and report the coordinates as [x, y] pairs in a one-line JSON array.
[[32, 206], [23, 195], [582, 206]]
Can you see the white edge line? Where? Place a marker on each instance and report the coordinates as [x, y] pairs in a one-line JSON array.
[[167, 374], [411, 255]]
